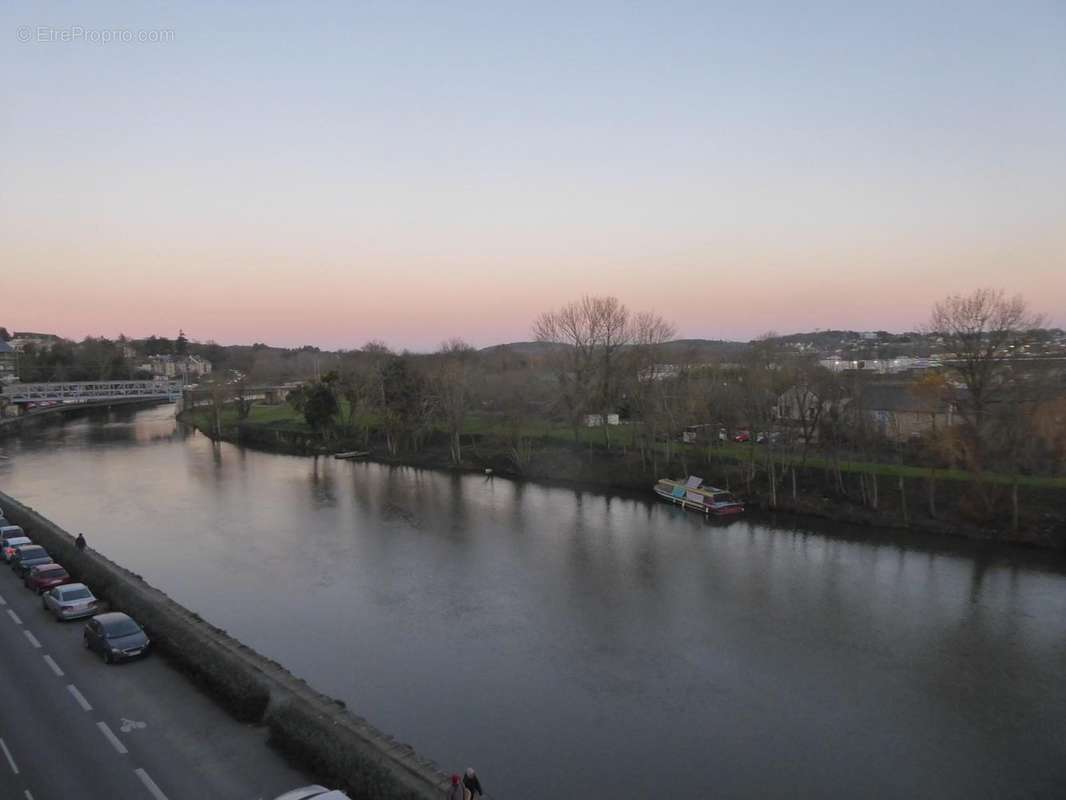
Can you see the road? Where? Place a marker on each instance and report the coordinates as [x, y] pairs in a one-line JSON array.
[[71, 727]]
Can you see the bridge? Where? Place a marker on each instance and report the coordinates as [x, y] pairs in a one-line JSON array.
[[91, 392]]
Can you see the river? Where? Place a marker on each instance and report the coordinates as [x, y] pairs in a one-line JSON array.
[[574, 644]]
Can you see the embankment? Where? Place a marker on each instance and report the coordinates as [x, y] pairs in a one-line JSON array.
[[316, 731], [928, 505]]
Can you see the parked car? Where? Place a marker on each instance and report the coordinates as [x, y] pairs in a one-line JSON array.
[[28, 555], [742, 436], [45, 577], [8, 531], [70, 601], [314, 792], [8, 546], [116, 637]]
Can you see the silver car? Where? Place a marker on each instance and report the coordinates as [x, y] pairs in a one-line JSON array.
[[8, 546], [314, 792], [70, 601]]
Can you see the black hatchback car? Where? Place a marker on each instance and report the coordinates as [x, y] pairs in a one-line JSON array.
[[116, 637], [29, 555]]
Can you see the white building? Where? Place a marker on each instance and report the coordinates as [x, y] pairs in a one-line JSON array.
[[187, 368]]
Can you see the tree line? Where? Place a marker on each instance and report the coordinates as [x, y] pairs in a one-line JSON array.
[[596, 359]]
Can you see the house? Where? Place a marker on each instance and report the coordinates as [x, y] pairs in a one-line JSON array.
[[596, 420], [184, 367], [20, 340], [899, 412], [8, 363]]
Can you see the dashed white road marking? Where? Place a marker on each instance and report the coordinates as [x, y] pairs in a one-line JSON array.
[[51, 662], [33, 639], [14, 616], [3, 602], [149, 784], [110, 736], [10, 760], [79, 697], [29, 795]]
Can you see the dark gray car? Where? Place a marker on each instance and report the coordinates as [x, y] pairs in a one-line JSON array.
[[116, 637], [29, 555]]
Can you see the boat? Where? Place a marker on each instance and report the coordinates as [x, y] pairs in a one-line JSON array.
[[352, 454], [694, 494]]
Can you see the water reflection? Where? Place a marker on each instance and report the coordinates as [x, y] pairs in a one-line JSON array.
[[590, 645]]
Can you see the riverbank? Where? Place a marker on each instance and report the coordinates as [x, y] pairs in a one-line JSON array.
[[314, 730], [941, 503]]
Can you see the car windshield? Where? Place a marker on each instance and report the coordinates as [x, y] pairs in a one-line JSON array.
[[76, 594], [32, 552], [50, 571], [123, 627]]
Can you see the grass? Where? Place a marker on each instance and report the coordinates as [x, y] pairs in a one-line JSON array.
[[285, 418]]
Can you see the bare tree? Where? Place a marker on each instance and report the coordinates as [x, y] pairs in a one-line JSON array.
[[219, 392], [979, 331], [454, 374], [645, 384], [590, 333]]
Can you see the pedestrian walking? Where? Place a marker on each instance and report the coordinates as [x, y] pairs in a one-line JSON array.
[[80, 543], [473, 784], [456, 791]]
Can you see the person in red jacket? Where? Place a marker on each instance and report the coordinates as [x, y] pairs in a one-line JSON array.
[[456, 790]]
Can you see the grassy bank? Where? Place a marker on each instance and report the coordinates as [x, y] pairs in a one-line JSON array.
[[867, 493]]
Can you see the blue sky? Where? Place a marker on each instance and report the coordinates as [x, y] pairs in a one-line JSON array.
[[413, 171]]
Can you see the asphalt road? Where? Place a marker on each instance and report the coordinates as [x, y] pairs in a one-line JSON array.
[[72, 727]]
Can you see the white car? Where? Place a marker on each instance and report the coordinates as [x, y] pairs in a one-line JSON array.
[[8, 546], [70, 601], [314, 792]]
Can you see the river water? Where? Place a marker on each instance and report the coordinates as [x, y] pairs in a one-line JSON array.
[[573, 644]]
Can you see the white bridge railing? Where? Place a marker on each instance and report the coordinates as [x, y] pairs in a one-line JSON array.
[[91, 391]]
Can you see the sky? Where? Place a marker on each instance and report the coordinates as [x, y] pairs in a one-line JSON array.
[[329, 173]]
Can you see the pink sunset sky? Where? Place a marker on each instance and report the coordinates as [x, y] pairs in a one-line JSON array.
[[413, 173]]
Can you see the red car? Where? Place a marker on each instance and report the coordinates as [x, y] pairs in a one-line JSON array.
[[743, 436], [46, 576]]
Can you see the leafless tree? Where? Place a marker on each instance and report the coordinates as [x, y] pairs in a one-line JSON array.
[[591, 334], [454, 375], [979, 332]]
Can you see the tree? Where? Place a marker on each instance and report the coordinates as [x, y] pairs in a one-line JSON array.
[[591, 335], [647, 389], [219, 392], [407, 404], [979, 332], [320, 405], [181, 344], [456, 362], [4, 335], [242, 398], [573, 329]]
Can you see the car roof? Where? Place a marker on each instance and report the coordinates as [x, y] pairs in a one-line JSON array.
[[112, 618], [23, 548], [16, 540], [49, 567], [314, 792]]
